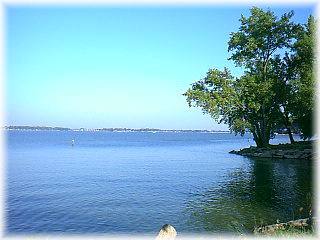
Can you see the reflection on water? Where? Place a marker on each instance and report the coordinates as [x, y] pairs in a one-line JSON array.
[[265, 192], [130, 182]]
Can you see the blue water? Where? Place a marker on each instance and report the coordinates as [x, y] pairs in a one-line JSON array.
[[131, 182]]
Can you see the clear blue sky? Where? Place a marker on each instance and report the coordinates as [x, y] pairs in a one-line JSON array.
[[115, 67]]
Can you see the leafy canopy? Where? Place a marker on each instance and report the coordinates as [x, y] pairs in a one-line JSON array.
[[277, 57]]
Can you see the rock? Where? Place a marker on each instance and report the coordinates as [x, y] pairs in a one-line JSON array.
[[257, 154], [300, 223], [282, 151], [266, 154], [167, 232], [290, 156], [278, 153]]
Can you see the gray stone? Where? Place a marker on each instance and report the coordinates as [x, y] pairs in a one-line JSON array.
[[266, 155]]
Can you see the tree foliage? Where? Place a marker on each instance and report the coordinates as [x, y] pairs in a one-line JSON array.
[[303, 60], [278, 58]]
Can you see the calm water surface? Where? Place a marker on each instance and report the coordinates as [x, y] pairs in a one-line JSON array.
[[136, 182]]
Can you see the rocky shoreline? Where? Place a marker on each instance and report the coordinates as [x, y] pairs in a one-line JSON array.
[[297, 150], [302, 224]]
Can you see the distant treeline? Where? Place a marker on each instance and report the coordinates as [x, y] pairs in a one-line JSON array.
[[153, 130], [37, 128]]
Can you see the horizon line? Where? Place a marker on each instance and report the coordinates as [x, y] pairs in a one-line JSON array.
[[33, 127]]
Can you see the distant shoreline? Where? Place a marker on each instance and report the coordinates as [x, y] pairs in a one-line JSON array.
[[40, 128]]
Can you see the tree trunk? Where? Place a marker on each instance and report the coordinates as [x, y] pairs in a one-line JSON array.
[[265, 131], [290, 135], [287, 125], [263, 125], [261, 135], [257, 136], [267, 134]]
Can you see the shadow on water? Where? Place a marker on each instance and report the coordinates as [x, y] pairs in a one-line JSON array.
[[270, 190]]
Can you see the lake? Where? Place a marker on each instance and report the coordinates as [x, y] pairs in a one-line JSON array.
[[134, 182]]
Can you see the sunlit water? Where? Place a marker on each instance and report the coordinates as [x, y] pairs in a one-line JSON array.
[[136, 182]]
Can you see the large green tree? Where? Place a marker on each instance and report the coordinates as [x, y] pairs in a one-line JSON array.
[[257, 101], [233, 101], [304, 84], [259, 39], [295, 83], [283, 73]]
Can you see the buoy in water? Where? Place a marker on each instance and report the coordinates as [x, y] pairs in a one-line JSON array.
[[72, 142]]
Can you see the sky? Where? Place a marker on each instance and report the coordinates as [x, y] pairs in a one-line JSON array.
[[97, 67]]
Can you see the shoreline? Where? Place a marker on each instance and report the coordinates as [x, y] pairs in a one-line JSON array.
[[118, 131], [296, 150], [303, 225]]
